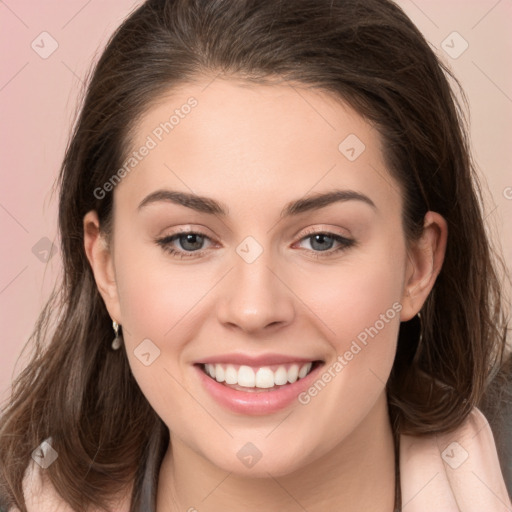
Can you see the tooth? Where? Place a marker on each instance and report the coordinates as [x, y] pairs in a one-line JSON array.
[[210, 370], [231, 375], [246, 377], [219, 373], [304, 370], [281, 376], [265, 378], [293, 373]]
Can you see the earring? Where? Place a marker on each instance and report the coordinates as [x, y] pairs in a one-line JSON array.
[[420, 326], [116, 343]]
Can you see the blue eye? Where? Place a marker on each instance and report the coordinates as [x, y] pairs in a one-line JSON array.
[[319, 241], [190, 241]]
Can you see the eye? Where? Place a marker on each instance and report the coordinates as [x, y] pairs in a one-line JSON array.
[[322, 242], [190, 241]]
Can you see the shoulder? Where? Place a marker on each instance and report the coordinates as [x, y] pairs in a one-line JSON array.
[[455, 471], [41, 496]]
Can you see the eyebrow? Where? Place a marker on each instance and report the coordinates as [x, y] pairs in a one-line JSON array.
[[211, 206]]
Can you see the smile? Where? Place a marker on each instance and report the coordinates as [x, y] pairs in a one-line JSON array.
[[256, 387], [248, 378]]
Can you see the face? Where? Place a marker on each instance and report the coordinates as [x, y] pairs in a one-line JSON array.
[[286, 282]]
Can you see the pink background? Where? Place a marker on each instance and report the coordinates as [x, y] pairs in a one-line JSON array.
[[38, 98]]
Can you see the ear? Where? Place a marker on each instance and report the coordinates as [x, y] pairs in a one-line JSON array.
[[101, 260], [425, 259]]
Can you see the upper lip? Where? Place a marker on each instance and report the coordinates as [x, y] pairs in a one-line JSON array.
[[251, 360]]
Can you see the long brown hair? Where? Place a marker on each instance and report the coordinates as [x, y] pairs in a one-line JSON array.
[[83, 395]]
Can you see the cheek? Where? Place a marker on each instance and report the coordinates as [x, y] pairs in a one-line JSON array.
[[358, 306], [361, 307], [156, 306], [160, 303], [352, 297], [155, 294]]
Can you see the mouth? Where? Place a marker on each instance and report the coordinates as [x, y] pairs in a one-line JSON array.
[[256, 387], [254, 379]]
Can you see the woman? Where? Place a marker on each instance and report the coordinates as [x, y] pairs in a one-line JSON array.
[[220, 145]]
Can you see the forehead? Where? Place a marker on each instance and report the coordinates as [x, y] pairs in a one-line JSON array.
[[233, 138], [247, 116]]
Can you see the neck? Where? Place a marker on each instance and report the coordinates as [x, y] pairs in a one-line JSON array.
[[358, 474]]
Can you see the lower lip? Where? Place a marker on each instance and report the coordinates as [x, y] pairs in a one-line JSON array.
[[256, 402]]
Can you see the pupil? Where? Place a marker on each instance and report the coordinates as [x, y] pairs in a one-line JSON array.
[[321, 238], [191, 238]]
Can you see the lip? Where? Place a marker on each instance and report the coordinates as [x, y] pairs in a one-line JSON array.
[[260, 360], [256, 403]]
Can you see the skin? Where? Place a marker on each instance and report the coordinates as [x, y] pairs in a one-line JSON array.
[[256, 148]]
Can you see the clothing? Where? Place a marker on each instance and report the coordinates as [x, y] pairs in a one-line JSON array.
[[454, 472]]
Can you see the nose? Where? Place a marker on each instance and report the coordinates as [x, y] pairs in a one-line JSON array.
[[255, 298]]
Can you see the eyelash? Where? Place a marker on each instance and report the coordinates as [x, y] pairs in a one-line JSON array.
[[165, 244]]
